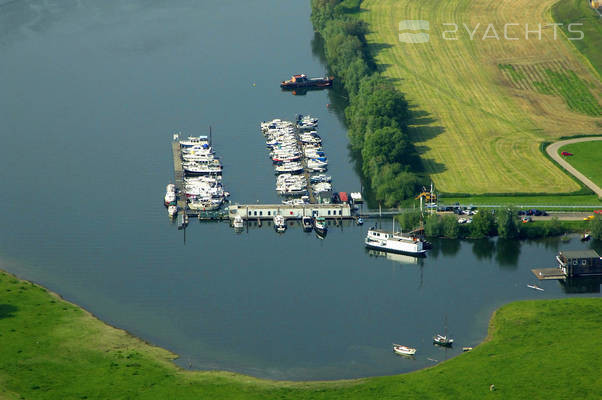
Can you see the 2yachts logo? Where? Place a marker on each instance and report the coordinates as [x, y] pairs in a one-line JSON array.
[[510, 31]]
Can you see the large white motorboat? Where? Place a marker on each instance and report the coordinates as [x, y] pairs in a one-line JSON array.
[[292, 167], [205, 204], [195, 141], [403, 350], [378, 239], [203, 168]]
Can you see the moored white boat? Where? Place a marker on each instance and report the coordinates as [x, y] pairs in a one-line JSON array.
[[238, 222], [378, 239], [172, 210], [279, 223], [170, 198], [307, 223]]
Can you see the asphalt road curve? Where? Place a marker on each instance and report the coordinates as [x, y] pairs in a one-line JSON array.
[[553, 152]]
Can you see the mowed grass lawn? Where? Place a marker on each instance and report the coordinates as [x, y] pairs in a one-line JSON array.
[[480, 104], [51, 349], [587, 158]]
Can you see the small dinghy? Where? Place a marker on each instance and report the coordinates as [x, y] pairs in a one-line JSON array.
[[535, 287]]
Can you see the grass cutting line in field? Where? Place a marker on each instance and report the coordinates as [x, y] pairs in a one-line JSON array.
[[484, 114]]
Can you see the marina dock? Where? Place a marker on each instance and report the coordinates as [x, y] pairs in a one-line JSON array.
[[315, 205], [268, 211]]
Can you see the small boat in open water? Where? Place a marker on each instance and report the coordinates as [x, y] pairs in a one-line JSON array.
[[535, 287], [403, 350], [443, 340]]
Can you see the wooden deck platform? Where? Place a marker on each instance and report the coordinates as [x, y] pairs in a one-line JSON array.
[[548, 273], [179, 175]]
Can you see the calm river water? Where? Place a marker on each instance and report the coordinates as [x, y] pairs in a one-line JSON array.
[[91, 94]]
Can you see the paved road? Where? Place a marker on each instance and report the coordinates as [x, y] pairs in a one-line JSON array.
[[553, 152]]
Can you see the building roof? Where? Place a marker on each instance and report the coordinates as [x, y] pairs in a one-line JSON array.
[[580, 254]]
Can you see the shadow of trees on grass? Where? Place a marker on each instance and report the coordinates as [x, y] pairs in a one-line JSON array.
[[7, 310]]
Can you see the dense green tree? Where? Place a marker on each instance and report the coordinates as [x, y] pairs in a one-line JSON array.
[[376, 114], [553, 227], [507, 224], [483, 224], [433, 226], [323, 11], [409, 220], [392, 184], [451, 228]]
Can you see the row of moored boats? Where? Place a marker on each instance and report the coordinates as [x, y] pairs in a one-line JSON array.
[[202, 182], [295, 147]]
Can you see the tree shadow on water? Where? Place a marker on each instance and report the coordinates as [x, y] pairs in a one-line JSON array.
[[507, 253], [7, 310]]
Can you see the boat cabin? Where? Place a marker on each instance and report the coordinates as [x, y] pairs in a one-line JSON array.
[[580, 263], [299, 78]]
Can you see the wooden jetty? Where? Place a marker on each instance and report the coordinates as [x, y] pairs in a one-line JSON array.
[[548, 273], [179, 175]]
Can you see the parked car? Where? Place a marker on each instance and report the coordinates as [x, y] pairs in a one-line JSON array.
[[597, 211], [521, 212], [526, 219], [588, 218], [566, 153]]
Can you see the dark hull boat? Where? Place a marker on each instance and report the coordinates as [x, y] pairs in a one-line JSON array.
[[301, 81]]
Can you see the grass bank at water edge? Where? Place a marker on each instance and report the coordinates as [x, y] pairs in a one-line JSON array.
[[51, 349]]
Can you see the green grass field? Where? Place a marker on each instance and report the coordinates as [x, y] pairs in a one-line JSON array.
[[52, 349], [484, 106], [587, 158], [579, 11]]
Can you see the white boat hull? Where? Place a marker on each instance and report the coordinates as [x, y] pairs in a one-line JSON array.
[[383, 245]]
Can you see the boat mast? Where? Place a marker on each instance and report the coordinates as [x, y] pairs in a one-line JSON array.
[[210, 137]]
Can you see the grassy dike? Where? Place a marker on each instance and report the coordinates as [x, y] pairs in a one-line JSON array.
[[51, 349]]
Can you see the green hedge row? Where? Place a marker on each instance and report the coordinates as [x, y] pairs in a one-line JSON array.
[[376, 114]]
